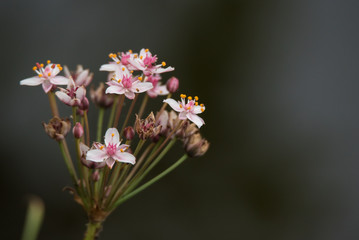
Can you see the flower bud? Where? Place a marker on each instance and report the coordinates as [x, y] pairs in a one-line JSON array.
[[172, 84], [84, 105], [196, 146], [78, 130], [57, 128], [129, 133], [100, 98]]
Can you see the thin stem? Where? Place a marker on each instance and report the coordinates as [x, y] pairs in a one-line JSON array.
[[143, 106], [129, 113], [99, 124], [92, 231], [163, 106], [74, 119], [87, 128], [68, 161], [152, 181], [119, 109], [113, 111], [53, 105]]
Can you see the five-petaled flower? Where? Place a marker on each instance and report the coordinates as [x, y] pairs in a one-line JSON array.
[[124, 83], [112, 151], [46, 76], [187, 110]]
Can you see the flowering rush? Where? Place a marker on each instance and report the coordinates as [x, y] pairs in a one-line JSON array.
[[137, 138]]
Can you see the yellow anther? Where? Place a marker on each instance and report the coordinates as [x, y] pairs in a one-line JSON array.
[[114, 55], [202, 105], [131, 71], [60, 68], [202, 109], [101, 147], [140, 78], [58, 65], [121, 150], [141, 57], [40, 75], [119, 80], [49, 74], [161, 91], [180, 105], [34, 68], [135, 56], [146, 50], [183, 95], [48, 61], [137, 89], [196, 103], [196, 98], [163, 63], [112, 134], [189, 98], [123, 69], [42, 65], [110, 55], [130, 51], [118, 62]]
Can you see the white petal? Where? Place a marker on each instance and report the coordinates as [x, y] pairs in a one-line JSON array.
[[108, 67], [173, 104], [81, 93], [124, 157], [63, 97], [139, 87], [96, 155], [112, 136], [183, 115], [67, 72], [59, 80], [198, 109], [162, 70], [34, 81], [195, 119], [110, 162], [115, 90], [81, 79], [83, 148], [162, 90]]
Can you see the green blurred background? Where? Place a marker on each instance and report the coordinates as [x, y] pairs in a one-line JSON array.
[[280, 83]]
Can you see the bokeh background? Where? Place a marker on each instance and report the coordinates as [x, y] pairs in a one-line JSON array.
[[280, 83]]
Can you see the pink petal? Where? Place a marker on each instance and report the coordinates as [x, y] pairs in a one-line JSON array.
[[195, 119], [96, 155], [83, 148], [59, 80], [152, 93], [64, 97], [34, 81], [112, 136], [67, 72], [80, 93], [139, 87], [130, 95], [115, 90], [173, 104], [162, 90], [46, 85], [110, 162], [125, 157], [81, 79], [182, 115]]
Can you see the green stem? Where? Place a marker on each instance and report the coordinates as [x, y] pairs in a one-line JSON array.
[[113, 111], [119, 110], [53, 105], [34, 218], [152, 181], [87, 128], [129, 113], [68, 161], [99, 124], [92, 231], [74, 115], [143, 106]]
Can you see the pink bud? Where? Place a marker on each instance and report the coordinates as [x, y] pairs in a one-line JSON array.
[[78, 130], [84, 105], [129, 133], [172, 84]]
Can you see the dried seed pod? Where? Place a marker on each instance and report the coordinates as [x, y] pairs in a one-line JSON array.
[[57, 128]]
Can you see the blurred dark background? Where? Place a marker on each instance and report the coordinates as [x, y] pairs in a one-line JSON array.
[[280, 83]]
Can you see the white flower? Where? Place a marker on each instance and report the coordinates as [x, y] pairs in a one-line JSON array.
[[46, 76], [112, 151], [187, 110]]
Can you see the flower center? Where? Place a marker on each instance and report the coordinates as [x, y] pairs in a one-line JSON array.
[[111, 149], [126, 82]]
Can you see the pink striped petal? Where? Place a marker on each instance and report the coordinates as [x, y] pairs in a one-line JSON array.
[[139, 87], [96, 155], [64, 97], [195, 119], [46, 85], [59, 80], [82, 77], [130, 95], [125, 157], [34, 81], [112, 136], [173, 104], [115, 90]]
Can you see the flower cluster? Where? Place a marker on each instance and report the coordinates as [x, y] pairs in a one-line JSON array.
[[111, 171]]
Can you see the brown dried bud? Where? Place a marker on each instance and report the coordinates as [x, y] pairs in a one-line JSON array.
[[196, 146], [146, 128], [57, 128], [129, 133], [187, 130], [172, 84], [100, 98], [78, 130]]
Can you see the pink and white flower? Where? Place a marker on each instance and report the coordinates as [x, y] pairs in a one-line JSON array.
[[81, 77], [73, 95], [118, 62], [158, 88], [112, 151], [187, 110], [46, 76], [124, 83], [146, 63]]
